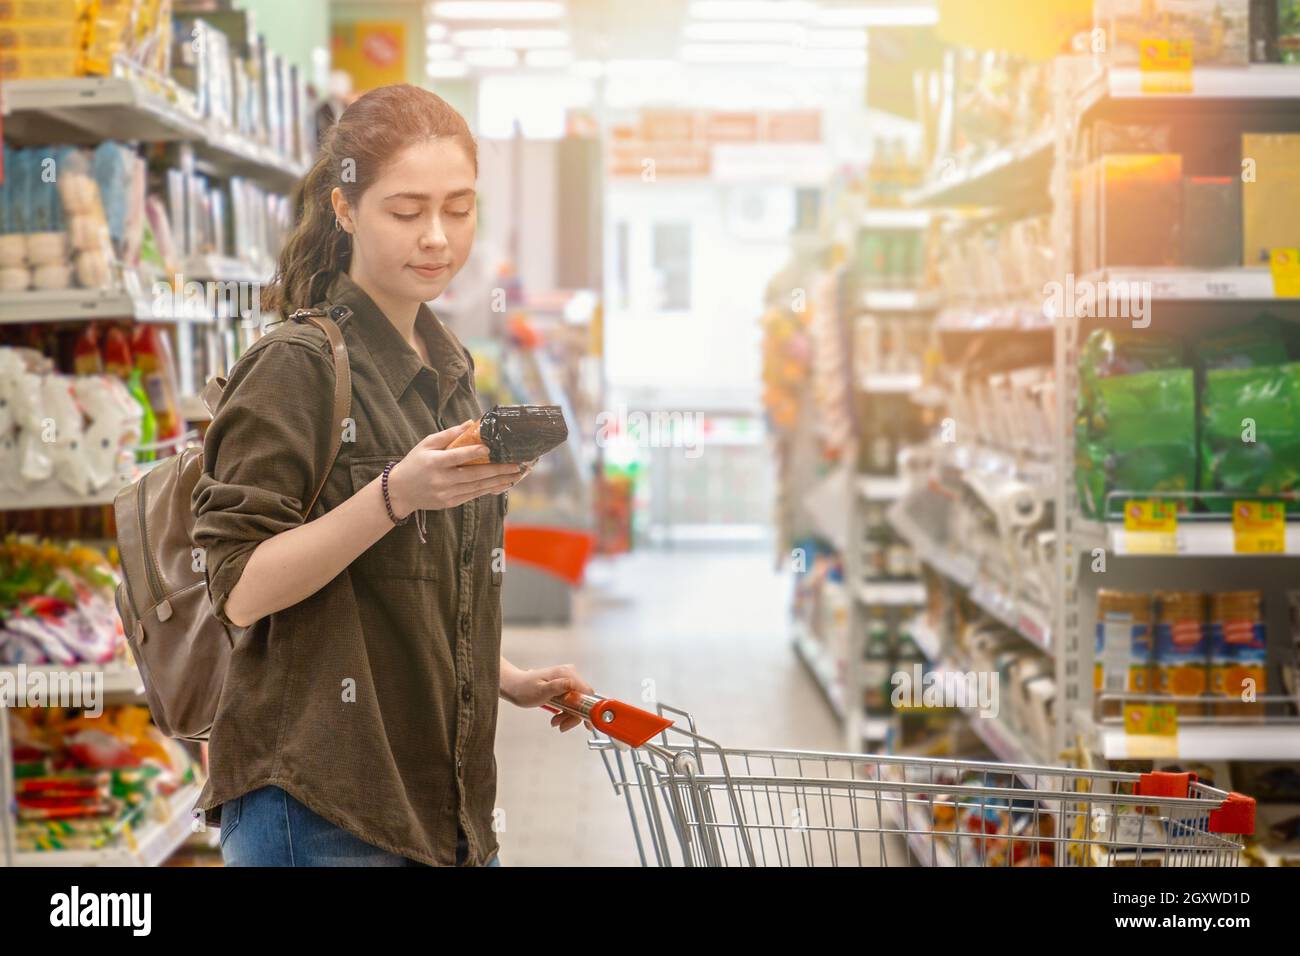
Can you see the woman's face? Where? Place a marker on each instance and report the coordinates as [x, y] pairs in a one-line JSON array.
[[413, 227]]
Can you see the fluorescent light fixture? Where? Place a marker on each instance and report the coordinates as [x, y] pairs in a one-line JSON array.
[[845, 39], [447, 69], [497, 37], [736, 52], [752, 9], [868, 16], [587, 68], [441, 51], [740, 31], [498, 10], [491, 57], [829, 59], [546, 59], [436, 31]]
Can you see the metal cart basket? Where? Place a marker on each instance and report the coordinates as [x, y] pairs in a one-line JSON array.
[[694, 802]]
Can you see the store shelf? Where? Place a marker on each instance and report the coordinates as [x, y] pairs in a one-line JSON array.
[[154, 841], [901, 300], [225, 269], [1022, 169], [1194, 285], [1193, 539], [892, 593], [119, 679], [1005, 744], [137, 107], [53, 494], [877, 488], [1242, 741], [819, 668], [1031, 623], [76, 305], [926, 638], [1004, 318], [926, 849], [1264, 82], [890, 384]]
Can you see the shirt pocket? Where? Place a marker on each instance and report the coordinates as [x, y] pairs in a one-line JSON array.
[[399, 553]]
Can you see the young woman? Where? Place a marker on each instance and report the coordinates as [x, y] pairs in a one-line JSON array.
[[357, 721]]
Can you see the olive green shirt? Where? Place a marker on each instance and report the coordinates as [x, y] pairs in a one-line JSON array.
[[374, 701]]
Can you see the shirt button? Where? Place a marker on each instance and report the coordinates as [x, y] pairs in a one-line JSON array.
[[467, 556], [464, 692]]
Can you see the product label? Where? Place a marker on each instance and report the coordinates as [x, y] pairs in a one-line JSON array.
[[1151, 720], [1150, 527], [1258, 527], [1166, 66], [1285, 266]]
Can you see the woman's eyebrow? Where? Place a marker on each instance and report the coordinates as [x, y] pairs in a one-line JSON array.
[[425, 197]]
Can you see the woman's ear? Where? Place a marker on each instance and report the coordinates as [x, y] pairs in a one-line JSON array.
[[342, 212]]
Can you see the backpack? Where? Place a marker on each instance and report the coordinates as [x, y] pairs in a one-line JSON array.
[[181, 648]]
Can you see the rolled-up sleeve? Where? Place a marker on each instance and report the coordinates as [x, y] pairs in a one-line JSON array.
[[264, 455]]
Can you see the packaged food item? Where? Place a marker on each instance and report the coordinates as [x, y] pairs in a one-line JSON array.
[[1218, 30], [1181, 648], [1270, 197], [1131, 210], [516, 433], [1250, 432], [1123, 643], [1141, 437], [1238, 650], [153, 358], [1211, 221], [1250, 344], [1288, 31]]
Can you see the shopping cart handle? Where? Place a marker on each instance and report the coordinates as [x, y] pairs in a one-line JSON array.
[[617, 720]]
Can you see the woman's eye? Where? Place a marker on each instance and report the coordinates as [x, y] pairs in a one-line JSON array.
[[462, 215], [405, 217]]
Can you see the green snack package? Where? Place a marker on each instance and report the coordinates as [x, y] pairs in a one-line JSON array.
[[1141, 437], [1252, 344], [148, 424], [1250, 432], [1107, 353]]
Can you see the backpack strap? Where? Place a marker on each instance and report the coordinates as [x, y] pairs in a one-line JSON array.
[[327, 323]]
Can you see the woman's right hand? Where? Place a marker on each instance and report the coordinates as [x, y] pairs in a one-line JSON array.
[[433, 477]]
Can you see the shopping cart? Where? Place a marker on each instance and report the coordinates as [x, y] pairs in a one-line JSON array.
[[696, 803]]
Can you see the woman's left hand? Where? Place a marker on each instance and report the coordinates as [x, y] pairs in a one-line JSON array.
[[533, 688]]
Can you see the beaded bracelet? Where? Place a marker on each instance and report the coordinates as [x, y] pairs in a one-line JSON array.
[[388, 506]]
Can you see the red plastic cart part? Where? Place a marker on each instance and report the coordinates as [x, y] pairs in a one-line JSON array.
[[1163, 783], [1235, 815], [559, 551], [622, 722]]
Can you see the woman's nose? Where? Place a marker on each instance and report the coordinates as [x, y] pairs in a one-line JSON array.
[[433, 236]]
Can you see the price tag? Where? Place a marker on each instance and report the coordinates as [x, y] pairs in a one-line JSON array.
[[1166, 66], [1285, 265], [1150, 527], [1258, 527]]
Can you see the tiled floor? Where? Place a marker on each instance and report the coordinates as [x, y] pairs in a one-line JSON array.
[[707, 632]]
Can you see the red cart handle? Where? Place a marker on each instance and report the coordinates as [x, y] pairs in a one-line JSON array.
[[623, 722]]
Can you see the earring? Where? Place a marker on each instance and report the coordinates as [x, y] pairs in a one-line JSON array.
[[338, 226]]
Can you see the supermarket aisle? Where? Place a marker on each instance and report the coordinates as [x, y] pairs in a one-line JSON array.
[[709, 629]]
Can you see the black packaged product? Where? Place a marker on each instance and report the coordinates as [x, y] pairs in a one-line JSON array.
[[520, 433]]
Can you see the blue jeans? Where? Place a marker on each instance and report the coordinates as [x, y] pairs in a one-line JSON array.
[[268, 827]]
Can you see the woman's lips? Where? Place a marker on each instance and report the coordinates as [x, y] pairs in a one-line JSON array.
[[429, 272]]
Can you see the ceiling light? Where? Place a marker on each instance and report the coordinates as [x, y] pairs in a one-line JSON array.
[[752, 9], [727, 31], [736, 52], [548, 58], [447, 69], [522, 39], [491, 57], [896, 16], [498, 10]]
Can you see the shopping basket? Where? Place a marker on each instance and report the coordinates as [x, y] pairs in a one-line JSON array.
[[695, 803]]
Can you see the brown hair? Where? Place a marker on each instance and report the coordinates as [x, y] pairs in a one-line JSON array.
[[372, 130]]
